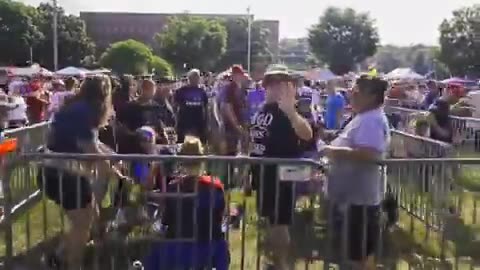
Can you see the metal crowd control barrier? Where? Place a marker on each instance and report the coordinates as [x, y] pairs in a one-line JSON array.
[[406, 145], [29, 139], [318, 241], [466, 129], [442, 213]]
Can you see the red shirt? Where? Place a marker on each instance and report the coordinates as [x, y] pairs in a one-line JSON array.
[[236, 97], [36, 109]]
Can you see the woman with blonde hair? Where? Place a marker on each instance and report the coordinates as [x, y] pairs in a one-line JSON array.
[[75, 130]]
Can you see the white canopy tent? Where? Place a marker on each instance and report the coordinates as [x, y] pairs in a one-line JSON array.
[[320, 74], [100, 71], [30, 71], [73, 71], [404, 73]]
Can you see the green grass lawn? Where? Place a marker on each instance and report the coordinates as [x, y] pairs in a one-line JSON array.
[[44, 221]]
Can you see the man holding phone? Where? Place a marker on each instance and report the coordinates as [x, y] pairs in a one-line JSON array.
[[276, 131]]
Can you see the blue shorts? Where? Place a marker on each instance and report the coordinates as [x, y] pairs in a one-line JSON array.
[[188, 255]]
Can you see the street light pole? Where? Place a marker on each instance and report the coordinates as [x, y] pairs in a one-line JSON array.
[[55, 35], [249, 39]]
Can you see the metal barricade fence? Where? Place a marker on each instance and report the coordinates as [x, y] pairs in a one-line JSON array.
[[408, 146], [319, 235], [443, 213], [29, 139], [466, 129]]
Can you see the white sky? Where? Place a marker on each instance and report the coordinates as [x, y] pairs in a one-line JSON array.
[[400, 22]]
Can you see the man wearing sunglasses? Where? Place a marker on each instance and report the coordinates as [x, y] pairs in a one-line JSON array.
[[276, 131]]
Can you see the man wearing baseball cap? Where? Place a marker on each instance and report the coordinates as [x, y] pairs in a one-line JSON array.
[[233, 105], [277, 131]]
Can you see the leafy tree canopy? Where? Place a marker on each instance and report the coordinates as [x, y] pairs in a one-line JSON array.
[[128, 57], [18, 31], [192, 42], [237, 43], [460, 41], [343, 38], [160, 66], [73, 43]]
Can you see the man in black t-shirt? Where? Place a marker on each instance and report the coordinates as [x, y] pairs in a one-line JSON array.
[[143, 111], [191, 103], [277, 131]]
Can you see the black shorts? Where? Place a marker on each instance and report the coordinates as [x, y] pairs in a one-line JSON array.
[[277, 209], [66, 189], [363, 230]]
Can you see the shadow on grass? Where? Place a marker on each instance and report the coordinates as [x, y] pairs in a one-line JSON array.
[[308, 236]]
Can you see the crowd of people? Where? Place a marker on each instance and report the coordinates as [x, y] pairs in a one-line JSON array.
[[436, 105], [281, 116]]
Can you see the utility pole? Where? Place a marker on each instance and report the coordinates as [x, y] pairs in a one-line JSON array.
[[55, 35], [249, 39]]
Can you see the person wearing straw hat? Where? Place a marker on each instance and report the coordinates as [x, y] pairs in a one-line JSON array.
[[276, 131]]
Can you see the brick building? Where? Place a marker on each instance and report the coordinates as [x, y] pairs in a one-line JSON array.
[[108, 27]]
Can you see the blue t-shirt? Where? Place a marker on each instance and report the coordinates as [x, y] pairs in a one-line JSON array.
[[71, 125], [255, 99], [334, 104]]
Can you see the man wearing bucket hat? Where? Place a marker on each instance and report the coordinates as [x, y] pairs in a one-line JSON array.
[[276, 131]]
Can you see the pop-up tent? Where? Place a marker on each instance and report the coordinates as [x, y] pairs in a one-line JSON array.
[[320, 74], [404, 73], [73, 71], [100, 71], [30, 71], [458, 80]]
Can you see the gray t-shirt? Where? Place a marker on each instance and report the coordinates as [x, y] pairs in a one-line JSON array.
[[360, 183]]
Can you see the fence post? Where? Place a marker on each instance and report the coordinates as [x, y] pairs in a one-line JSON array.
[[7, 145]]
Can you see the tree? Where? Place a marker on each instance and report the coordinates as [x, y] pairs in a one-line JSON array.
[[17, 31], [192, 41], [127, 57], [160, 66], [343, 38], [420, 64], [90, 62], [459, 49], [237, 43], [387, 61], [73, 43]]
